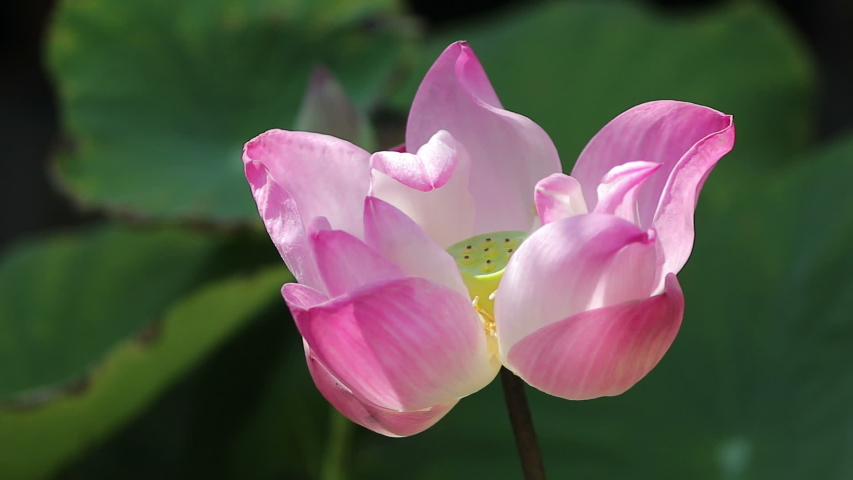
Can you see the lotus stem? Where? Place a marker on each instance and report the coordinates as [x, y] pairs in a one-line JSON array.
[[522, 426]]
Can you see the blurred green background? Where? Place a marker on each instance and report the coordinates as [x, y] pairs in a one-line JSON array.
[[142, 334]]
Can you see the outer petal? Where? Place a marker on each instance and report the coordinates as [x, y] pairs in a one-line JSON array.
[[558, 196], [322, 175], [429, 169], [617, 193], [686, 139], [569, 266], [302, 297], [509, 153], [284, 225], [601, 352], [403, 345], [345, 263], [403, 242], [380, 420]]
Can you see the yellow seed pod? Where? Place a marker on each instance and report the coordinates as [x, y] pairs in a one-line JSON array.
[[482, 260]]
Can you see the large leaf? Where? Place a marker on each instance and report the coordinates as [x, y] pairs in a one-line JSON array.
[[158, 97], [573, 66], [67, 300], [75, 308], [810, 322], [249, 411]]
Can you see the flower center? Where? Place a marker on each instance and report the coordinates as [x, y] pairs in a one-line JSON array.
[[482, 260]]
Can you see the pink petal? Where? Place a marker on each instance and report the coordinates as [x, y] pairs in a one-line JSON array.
[[403, 242], [509, 153], [346, 263], [322, 175], [284, 225], [674, 216], [558, 196], [429, 169], [601, 352], [617, 193], [326, 108], [569, 266], [318, 224], [302, 297], [404, 345], [686, 139], [380, 420], [446, 214]]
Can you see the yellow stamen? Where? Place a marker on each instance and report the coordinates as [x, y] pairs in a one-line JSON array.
[[485, 317]]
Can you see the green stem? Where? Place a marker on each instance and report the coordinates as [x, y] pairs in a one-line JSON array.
[[335, 459], [522, 426]]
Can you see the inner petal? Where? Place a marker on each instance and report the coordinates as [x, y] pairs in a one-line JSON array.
[[445, 213]]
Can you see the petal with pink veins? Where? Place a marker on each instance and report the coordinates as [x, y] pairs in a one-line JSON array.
[[323, 176], [346, 263], [400, 240], [509, 153], [569, 266], [686, 139], [558, 196], [381, 420], [674, 216], [280, 215], [301, 296], [601, 352], [617, 193], [426, 170], [378, 419], [403, 345]]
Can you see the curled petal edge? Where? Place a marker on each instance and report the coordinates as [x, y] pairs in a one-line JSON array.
[[558, 196], [617, 193], [430, 168]]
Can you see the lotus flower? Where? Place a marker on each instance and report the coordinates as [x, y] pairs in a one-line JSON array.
[[424, 269]]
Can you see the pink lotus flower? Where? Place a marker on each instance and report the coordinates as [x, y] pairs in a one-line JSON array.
[[422, 271]]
